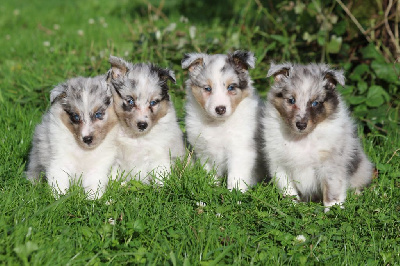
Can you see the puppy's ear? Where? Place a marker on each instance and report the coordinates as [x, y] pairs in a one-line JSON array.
[[119, 67], [193, 61], [167, 74], [333, 77], [242, 60], [279, 71], [58, 93]]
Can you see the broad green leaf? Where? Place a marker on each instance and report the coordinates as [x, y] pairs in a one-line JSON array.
[[321, 37], [358, 72], [334, 44], [362, 87], [370, 52], [376, 96], [355, 100], [340, 28], [386, 71]]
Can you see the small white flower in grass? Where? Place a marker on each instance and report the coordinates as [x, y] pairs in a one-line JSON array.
[[105, 25], [80, 32], [170, 27], [91, 21], [192, 32], [109, 202], [239, 202], [123, 184], [111, 221], [201, 204], [218, 215], [29, 232], [126, 53], [158, 35], [102, 54], [56, 26], [46, 43], [301, 238], [183, 19]]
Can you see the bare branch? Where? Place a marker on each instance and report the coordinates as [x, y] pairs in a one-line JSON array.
[[355, 21], [389, 30]]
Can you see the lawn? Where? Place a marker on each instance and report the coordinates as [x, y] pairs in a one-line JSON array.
[[190, 220]]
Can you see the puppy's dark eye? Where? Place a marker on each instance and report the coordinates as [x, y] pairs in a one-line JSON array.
[[153, 103], [99, 115], [314, 103], [75, 118], [231, 88], [131, 102], [292, 100], [208, 89]]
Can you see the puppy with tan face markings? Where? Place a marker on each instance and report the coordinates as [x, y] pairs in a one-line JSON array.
[[150, 138], [76, 138], [222, 116], [311, 142]]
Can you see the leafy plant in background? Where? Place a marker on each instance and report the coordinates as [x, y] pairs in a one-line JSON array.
[[357, 36]]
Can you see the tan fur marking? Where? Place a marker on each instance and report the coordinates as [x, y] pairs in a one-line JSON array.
[[67, 122], [118, 71], [199, 95], [123, 117], [328, 194], [162, 110], [237, 96], [240, 64], [324, 155], [280, 74], [195, 63], [287, 112]]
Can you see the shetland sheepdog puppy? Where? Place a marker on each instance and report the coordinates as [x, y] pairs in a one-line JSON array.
[[222, 116], [311, 142], [76, 138], [150, 138]]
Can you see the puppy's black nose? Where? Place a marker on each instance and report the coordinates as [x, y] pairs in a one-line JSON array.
[[142, 125], [301, 125], [220, 109], [87, 139]]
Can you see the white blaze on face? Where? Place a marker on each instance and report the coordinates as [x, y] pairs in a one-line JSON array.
[[86, 128], [303, 97], [219, 97]]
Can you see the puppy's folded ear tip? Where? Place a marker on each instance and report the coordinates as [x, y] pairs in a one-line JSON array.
[[192, 60], [112, 59]]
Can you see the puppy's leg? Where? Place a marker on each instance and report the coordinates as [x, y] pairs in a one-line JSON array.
[[334, 189], [285, 182], [363, 174], [241, 163], [162, 172], [59, 179], [95, 182]]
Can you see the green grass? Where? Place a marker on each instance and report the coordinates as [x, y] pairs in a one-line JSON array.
[[164, 225]]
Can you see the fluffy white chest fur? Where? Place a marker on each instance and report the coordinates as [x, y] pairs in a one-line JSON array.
[[311, 143], [140, 157], [69, 162], [227, 145], [304, 162]]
